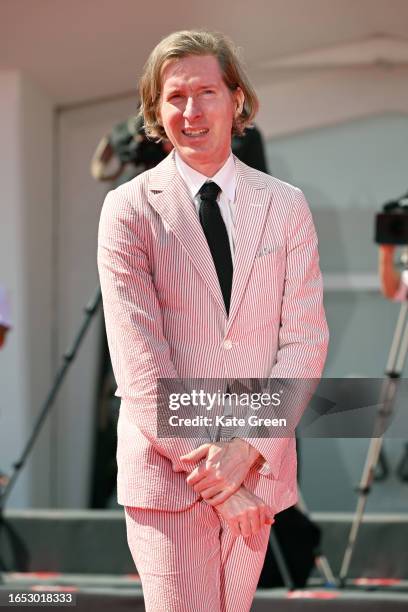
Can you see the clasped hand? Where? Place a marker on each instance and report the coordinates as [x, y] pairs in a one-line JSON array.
[[225, 467], [245, 513], [219, 479]]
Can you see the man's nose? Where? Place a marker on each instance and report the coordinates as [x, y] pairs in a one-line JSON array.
[[192, 109]]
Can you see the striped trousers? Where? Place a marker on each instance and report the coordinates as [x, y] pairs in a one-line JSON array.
[[189, 561]]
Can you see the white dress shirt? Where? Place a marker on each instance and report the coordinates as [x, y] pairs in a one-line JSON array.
[[226, 180]]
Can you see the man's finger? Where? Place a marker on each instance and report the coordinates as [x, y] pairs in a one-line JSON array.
[[255, 523], [234, 527], [262, 516], [197, 453], [220, 497], [269, 517], [196, 475], [245, 527], [209, 491], [209, 486]]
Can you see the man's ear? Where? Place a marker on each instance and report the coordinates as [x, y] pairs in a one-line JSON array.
[[239, 101]]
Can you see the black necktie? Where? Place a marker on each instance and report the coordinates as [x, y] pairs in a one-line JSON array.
[[217, 237]]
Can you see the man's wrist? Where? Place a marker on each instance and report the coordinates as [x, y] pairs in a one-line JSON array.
[[253, 455]]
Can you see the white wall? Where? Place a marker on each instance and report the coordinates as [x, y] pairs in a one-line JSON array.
[[295, 101], [25, 270]]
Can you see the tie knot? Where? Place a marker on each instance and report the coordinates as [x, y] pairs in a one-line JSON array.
[[209, 191]]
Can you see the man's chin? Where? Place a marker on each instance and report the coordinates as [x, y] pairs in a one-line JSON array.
[[196, 148], [196, 154]]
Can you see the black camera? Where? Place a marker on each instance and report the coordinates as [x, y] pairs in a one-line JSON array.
[[391, 226], [129, 141]]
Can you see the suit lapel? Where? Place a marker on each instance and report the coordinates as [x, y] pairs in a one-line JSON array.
[[252, 205], [169, 196]]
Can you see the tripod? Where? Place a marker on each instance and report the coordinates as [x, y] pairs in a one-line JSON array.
[[7, 483], [68, 357], [395, 366]]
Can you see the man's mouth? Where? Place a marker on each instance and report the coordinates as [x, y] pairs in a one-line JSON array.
[[195, 132]]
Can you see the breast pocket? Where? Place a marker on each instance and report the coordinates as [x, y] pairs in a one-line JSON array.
[[269, 263], [263, 296], [270, 249]]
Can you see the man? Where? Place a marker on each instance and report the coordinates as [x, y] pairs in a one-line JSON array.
[[209, 269], [393, 284]]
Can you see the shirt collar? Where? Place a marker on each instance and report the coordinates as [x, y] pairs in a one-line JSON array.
[[225, 177]]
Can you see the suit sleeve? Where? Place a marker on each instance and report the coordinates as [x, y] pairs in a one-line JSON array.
[[139, 351], [303, 335]]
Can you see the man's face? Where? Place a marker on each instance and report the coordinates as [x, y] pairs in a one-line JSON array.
[[197, 109]]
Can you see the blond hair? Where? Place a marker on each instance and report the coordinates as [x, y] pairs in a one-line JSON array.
[[194, 42]]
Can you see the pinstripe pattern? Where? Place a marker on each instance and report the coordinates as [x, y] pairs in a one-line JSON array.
[[225, 571], [165, 317]]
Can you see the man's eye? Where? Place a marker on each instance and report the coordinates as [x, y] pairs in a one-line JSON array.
[[209, 91]]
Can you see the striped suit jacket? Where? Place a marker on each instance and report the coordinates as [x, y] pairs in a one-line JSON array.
[[165, 318]]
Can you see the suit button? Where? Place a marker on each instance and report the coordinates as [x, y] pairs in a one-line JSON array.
[[228, 344]]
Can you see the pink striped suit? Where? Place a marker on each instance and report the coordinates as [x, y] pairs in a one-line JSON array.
[[165, 318]]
